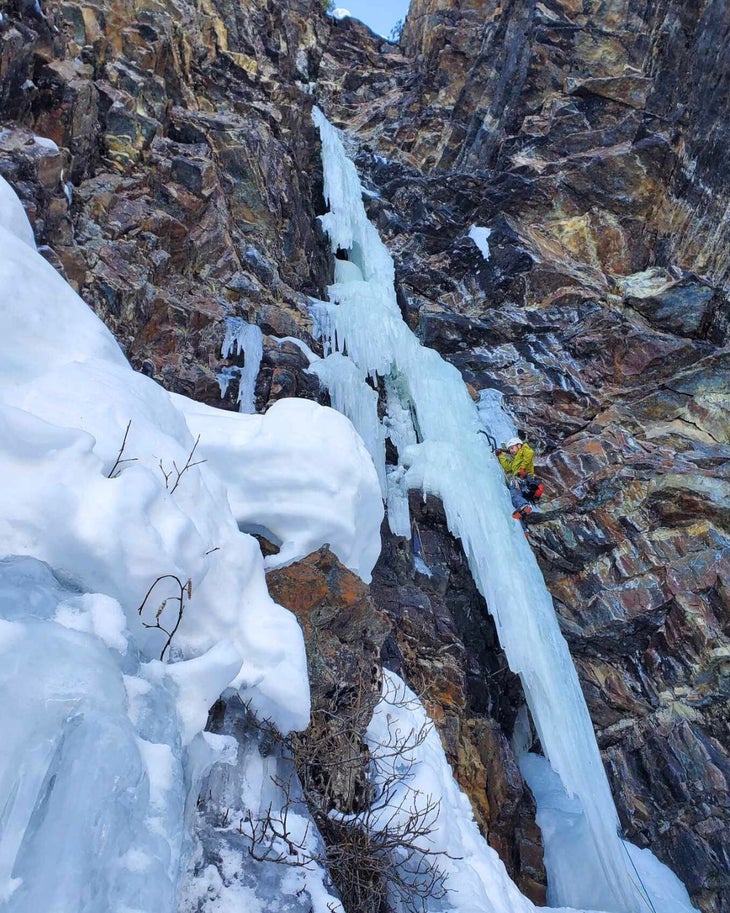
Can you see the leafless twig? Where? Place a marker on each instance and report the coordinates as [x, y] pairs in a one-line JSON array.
[[119, 459], [185, 590], [380, 857], [177, 472]]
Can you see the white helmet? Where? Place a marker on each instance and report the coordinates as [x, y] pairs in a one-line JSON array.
[[514, 442]]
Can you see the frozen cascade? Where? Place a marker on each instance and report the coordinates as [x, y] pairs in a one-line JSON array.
[[351, 395], [242, 338], [573, 872], [454, 462]]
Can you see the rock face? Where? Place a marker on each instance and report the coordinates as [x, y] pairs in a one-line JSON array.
[[343, 631], [444, 643], [165, 154], [602, 315], [185, 187]]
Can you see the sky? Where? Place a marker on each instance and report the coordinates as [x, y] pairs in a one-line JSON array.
[[380, 15]]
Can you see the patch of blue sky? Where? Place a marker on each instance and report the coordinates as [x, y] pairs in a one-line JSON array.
[[379, 15]]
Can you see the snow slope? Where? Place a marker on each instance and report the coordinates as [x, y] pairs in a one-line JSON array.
[[105, 540]]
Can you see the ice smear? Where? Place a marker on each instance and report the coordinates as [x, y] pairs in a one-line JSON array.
[[574, 877], [246, 339], [399, 518], [420, 565], [454, 462]]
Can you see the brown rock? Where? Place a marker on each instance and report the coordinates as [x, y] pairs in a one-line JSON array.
[[343, 633]]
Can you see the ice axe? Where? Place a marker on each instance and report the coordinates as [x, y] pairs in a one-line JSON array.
[[490, 439]]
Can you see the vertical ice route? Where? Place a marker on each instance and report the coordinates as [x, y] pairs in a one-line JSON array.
[[454, 462]]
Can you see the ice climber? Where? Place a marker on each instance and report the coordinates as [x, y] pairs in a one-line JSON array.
[[519, 465]]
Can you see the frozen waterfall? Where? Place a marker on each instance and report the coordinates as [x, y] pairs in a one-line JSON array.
[[452, 460]]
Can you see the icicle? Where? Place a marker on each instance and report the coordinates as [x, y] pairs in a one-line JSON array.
[[399, 519], [322, 324], [246, 338], [454, 462], [351, 394], [398, 420]]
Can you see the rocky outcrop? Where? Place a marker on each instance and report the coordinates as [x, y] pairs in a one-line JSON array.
[[591, 91], [343, 631], [165, 153]]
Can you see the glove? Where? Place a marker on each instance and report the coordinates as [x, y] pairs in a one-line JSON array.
[[498, 452], [522, 473]]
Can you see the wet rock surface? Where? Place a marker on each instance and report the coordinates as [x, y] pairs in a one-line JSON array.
[[165, 155]]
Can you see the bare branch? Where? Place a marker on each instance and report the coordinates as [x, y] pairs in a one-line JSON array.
[[380, 858], [177, 472], [185, 590], [119, 459]]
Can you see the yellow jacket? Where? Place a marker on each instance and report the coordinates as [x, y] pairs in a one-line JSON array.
[[523, 459]]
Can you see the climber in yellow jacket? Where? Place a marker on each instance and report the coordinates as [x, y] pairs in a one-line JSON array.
[[519, 461], [519, 466]]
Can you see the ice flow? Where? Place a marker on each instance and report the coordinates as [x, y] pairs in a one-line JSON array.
[[453, 461]]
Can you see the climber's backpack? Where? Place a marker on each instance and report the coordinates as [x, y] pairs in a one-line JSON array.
[[532, 489]]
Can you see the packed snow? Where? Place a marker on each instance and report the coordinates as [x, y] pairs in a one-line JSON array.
[[420, 787], [129, 597], [453, 461], [480, 236], [321, 488]]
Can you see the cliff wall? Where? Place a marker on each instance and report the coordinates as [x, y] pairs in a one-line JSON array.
[[181, 187]]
